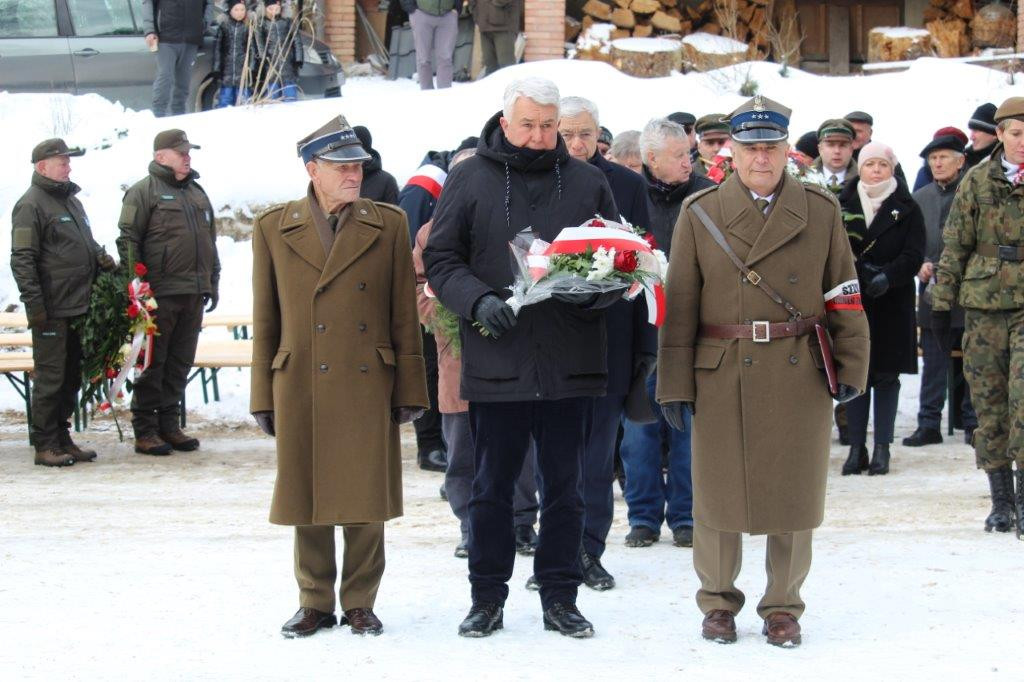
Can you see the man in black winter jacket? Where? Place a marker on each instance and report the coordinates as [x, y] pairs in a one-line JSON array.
[[535, 374], [174, 30], [632, 344], [378, 184]]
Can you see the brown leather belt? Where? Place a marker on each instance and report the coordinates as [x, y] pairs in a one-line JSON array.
[[1010, 253], [759, 331]]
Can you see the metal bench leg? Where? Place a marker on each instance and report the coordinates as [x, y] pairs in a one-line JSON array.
[[213, 380]]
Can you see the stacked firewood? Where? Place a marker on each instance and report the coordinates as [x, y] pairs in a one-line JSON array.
[[949, 23], [748, 21]]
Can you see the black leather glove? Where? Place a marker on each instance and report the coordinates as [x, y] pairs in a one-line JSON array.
[[212, 299], [37, 318], [590, 301], [106, 262], [877, 285], [265, 420], [674, 414], [404, 415], [941, 329], [644, 364], [494, 315], [846, 393]]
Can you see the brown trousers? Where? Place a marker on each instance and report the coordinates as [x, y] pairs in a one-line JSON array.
[[316, 569], [717, 557]]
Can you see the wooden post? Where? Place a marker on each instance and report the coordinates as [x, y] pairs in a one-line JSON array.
[[838, 40], [544, 21]]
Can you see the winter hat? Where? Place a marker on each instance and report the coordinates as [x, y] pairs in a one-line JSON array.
[[1011, 108], [860, 117], [808, 144], [605, 136], [951, 130], [683, 118], [951, 142], [876, 150], [984, 119], [363, 133], [232, 3], [469, 143]]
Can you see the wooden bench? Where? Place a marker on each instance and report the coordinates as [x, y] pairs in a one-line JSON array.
[[213, 356], [238, 324]]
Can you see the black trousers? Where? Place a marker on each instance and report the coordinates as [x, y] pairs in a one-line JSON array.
[[501, 435], [158, 391], [599, 472], [428, 427], [885, 387], [57, 355]]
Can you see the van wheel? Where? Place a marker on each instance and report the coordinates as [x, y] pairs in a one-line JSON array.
[[206, 95]]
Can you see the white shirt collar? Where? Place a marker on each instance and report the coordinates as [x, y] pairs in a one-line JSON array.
[[1010, 170], [755, 196]]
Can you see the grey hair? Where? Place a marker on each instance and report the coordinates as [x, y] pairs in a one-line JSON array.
[[574, 106], [540, 90], [657, 132], [460, 156], [625, 145]]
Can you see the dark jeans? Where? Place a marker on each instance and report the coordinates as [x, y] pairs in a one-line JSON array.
[[599, 472], [886, 389], [428, 427], [458, 479], [501, 436], [499, 49], [227, 96], [651, 497], [173, 75], [934, 379], [57, 355], [158, 391]]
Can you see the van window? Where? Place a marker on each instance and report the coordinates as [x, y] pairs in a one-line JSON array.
[[93, 18], [28, 19]]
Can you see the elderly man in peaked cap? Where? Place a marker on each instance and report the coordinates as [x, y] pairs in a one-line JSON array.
[[757, 263], [167, 223], [337, 367], [54, 259]]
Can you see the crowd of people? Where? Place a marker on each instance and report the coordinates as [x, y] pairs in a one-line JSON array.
[[789, 267]]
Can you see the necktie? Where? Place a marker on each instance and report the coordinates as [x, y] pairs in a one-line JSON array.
[[834, 180], [762, 204], [332, 220]]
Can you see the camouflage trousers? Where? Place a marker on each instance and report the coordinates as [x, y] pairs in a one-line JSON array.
[[994, 368]]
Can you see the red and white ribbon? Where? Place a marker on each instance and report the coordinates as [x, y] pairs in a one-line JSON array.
[[142, 340]]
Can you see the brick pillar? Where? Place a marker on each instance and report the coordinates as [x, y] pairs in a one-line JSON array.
[[1020, 27], [340, 29], [545, 29]]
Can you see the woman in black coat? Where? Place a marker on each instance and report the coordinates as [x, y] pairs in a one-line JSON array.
[[886, 229]]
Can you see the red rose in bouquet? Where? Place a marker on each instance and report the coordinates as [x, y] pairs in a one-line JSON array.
[[141, 270], [626, 261]]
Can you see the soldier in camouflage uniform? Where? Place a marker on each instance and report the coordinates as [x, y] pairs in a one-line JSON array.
[[982, 266]]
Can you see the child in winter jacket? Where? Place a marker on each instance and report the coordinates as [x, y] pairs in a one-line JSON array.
[[233, 56], [281, 50]]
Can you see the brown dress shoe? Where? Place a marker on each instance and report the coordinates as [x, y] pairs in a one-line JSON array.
[[77, 453], [151, 445], [54, 458], [179, 441], [306, 622], [363, 622], [782, 629], [719, 626]]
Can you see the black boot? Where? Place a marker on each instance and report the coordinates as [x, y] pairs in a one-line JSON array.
[[483, 620], [1018, 503], [1000, 483], [879, 460], [568, 620], [594, 574], [432, 460], [923, 436], [856, 461]]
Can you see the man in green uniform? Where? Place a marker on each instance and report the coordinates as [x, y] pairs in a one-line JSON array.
[[167, 224], [982, 267], [54, 260]]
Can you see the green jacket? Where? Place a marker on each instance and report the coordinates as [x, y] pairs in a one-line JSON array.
[[167, 224], [987, 209], [53, 253]]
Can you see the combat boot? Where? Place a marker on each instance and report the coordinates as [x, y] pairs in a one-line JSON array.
[[1000, 482], [53, 457], [68, 446], [1018, 503], [178, 440], [151, 445]]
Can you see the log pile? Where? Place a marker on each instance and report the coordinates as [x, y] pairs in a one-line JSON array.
[[897, 44], [748, 21]]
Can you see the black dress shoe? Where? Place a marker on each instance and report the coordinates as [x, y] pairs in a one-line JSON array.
[[641, 536], [434, 460], [567, 619], [482, 620], [306, 622], [462, 549], [923, 436], [879, 460], [526, 540], [856, 461], [682, 536], [594, 574]]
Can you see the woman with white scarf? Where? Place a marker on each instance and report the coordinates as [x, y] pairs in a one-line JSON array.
[[886, 230]]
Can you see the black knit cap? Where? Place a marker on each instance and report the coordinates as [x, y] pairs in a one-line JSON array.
[[605, 136], [808, 144], [984, 119]]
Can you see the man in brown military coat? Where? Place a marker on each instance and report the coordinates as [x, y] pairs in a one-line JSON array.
[[337, 366], [741, 351]]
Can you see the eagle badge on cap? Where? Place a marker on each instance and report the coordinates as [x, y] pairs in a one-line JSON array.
[[759, 103]]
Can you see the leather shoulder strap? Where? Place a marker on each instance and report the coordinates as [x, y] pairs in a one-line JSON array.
[[750, 275]]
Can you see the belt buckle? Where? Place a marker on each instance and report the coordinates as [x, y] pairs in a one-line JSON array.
[[1009, 253], [766, 334]]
